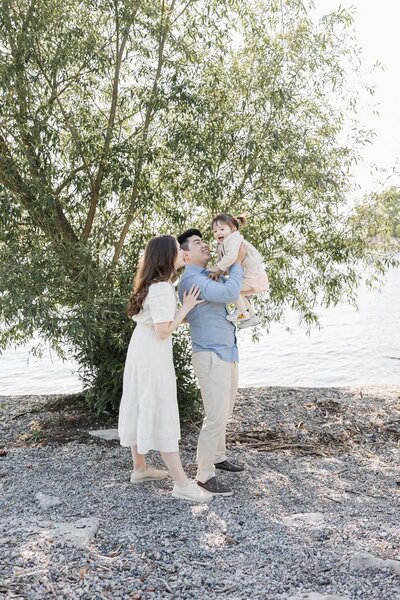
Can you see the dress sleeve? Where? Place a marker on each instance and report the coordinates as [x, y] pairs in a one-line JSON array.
[[162, 302], [231, 248]]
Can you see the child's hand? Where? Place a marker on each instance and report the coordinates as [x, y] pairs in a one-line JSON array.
[[213, 276], [214, 273]]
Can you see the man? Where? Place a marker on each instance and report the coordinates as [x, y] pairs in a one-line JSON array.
[[215, 355]]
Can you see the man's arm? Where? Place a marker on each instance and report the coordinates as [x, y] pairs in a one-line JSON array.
[[221, 291]]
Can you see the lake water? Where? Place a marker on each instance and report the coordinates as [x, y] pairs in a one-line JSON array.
[[351, 348]]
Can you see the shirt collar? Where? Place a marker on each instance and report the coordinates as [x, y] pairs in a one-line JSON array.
[[189, 269]]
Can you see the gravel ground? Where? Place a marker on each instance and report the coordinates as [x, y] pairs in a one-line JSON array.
[[321, 485]]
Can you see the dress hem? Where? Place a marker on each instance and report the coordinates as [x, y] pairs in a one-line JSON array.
[[151, 447]]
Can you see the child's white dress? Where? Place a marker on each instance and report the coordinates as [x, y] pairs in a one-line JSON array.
[[255, 279], [148, 414]]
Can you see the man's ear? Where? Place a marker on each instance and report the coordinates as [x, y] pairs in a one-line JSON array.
[[186, 256]]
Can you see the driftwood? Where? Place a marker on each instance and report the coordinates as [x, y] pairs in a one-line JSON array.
[[263, 440], [331, 437]]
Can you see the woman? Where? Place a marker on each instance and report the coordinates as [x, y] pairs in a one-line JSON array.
[[148, 415]]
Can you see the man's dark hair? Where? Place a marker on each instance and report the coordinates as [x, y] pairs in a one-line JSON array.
[[184, 237]]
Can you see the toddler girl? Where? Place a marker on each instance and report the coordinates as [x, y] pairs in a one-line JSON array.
[[255, 280]]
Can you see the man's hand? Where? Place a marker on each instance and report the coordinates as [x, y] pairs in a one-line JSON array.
[[214, 273], [241, 254]]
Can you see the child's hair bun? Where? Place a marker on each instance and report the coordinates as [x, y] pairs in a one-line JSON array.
[[230, 220], [242, 219]]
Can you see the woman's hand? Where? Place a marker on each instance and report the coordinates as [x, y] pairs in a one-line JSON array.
[[191, 298], [241, 254]]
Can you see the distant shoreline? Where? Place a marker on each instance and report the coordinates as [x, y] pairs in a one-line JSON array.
[[303, 389], [350, 349]]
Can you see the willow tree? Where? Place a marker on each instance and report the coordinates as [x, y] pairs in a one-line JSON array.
[[124, 119], [387, 209]]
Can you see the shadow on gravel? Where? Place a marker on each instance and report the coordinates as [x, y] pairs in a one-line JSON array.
[[58, 420], [322, 426], [319, 447]]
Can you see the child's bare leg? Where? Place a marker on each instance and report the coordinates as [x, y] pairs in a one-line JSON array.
[[242, 304], [249, 306]]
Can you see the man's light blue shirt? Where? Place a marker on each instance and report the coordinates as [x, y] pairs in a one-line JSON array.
[[209, 328]]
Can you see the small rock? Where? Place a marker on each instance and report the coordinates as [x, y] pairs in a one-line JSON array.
[[105, 434], [317, 596], [363, 560], [46, 502], [77, 534], [304, 519]]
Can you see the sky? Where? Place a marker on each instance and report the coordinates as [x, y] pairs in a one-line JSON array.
[[376, 23]]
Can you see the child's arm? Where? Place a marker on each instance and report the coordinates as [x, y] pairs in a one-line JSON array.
[[231, 247]]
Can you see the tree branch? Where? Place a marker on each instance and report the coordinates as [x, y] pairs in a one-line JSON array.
[[148, 117], [182, 11], [11, 179], [58, 219], [67, 180], [9, 175], [75, 136], [119, 51]]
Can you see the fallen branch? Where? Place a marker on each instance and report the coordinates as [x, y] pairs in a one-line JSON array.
[[309, 449]]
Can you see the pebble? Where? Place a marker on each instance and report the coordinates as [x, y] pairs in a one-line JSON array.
[[45, 501], [304, 519], [363, 560], [105, 434]]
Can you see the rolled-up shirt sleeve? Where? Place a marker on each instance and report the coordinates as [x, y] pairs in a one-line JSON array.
[[222, 291]]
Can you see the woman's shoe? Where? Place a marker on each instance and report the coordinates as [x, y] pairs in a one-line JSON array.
[[192, 492], [150, 474]]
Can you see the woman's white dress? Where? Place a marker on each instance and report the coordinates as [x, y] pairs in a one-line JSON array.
[[148, 414]]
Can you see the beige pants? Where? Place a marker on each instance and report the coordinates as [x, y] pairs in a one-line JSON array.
[[218, 381]]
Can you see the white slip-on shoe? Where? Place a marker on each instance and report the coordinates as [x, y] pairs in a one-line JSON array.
[[238, 317], [233, 315], [150, 474], [192, 492], [252, 322]]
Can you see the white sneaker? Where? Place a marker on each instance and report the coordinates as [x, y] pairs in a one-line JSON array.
[[238, 317], [192, 492], [251, 322], [150, 474]]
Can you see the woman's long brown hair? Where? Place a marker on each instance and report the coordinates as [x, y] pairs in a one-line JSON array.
[[157, 264]]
